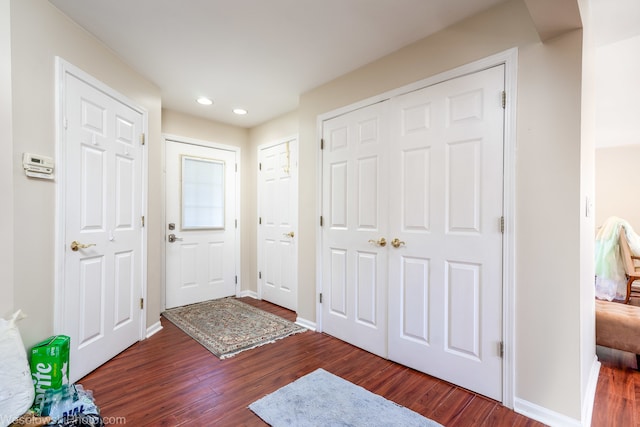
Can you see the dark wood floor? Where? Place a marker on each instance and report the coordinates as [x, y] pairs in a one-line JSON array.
[[171, 380], [618, 393]]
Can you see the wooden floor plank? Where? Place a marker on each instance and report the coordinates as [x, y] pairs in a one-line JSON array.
[[475, 413], [171, 380]]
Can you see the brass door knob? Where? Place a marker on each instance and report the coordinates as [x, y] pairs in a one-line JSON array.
[[289, 234], [382, 242], [396, 243], [77, 245]]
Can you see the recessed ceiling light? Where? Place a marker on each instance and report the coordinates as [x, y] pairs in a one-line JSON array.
[[204, 101], [240, 111]]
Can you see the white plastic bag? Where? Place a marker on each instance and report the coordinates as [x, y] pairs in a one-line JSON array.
[[16, 387], [69, 400]]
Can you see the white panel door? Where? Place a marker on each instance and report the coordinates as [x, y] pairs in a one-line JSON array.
[[431, 185], [278, 225], [201, 223], [355, 222], [103, 158], [445, 275]]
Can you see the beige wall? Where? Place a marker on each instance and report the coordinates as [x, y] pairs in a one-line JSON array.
[[548, 346], [617, 178], [548, 241], [39, 33], [176, 123], [6, 163]]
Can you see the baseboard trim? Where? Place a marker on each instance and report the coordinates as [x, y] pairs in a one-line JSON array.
[[250, 294], [153, 329], [590, 393], [306, 324], [543, 415], [552, 418]]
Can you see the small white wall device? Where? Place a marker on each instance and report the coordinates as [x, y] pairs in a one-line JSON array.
[[37, 166]]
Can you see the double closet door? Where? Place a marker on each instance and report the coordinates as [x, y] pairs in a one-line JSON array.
[[412, 244]]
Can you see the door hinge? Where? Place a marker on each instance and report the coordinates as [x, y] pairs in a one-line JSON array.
[[142, 139], [141, 303], [322, 144], [259, 166], [260, 220], [236, 280], [320, 297], [502, 224], [501, 348], [65, 123], [236, 167], [259, 274], [142, 220], [504, 99], [321, 221], [236, 223]]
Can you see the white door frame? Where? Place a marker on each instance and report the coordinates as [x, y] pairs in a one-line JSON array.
[[510, 60], [64, 68], [297, 189], [186, 140]]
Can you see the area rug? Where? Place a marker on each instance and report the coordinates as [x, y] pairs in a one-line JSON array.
[[227, 326], [323, 399]]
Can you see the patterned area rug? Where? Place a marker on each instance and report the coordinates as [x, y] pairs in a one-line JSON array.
[[227, 326]]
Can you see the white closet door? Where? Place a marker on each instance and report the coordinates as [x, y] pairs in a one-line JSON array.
[[431, 186], [278, 229], [355, 219], [445, 277], [103, 225]]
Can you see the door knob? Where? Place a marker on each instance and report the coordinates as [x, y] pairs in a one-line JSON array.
[[172, 238], [396, 243], [382, 242], [77, 245], [289, 234]]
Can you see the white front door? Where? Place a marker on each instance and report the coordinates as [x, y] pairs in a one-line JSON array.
[[355, 206], [445, 276], [201, 223], [102, 210], [424, 171], [278, 223]]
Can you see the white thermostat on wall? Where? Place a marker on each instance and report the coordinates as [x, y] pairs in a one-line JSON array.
[[37, 166]]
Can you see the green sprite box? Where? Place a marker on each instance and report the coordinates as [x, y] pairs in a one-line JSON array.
[[49, 366]]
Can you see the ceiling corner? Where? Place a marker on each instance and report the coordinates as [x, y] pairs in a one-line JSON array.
[[554, 17]]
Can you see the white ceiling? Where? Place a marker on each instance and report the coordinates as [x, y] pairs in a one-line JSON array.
[[256, 54]]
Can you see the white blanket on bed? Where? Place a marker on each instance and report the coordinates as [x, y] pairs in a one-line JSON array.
[[611, 281]]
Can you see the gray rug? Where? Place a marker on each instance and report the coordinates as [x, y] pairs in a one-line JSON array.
[[228, 326], [323, 399]]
